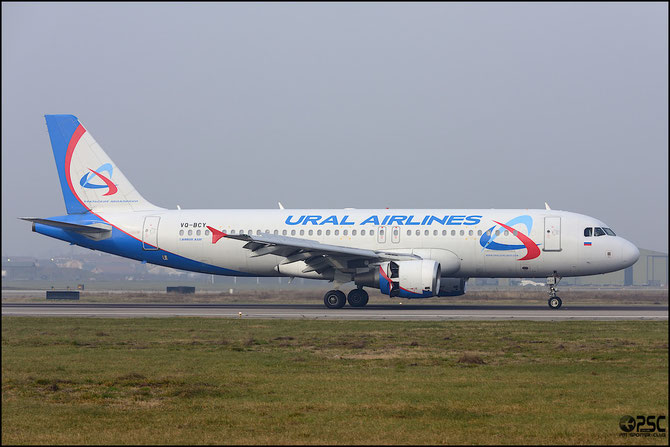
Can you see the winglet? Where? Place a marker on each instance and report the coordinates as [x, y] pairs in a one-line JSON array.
[[546, 206], [216, 234]]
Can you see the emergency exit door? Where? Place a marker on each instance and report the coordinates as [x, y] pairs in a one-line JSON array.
[[381, 235], [552, 234], [150, 233]]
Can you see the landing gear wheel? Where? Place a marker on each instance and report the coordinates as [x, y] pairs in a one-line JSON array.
[[358, 298], [555, 302], [334, 299]]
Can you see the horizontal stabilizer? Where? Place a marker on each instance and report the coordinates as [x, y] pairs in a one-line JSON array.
[[96, 231]]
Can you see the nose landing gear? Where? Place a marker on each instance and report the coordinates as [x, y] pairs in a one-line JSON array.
[[554, 301]]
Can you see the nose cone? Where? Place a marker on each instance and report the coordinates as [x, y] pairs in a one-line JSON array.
[[629, 253]]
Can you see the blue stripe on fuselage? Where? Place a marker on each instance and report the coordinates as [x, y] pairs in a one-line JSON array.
[[122, 244]]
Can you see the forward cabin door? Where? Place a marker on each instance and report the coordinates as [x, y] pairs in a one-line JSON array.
[[150, 233], [552, 234]]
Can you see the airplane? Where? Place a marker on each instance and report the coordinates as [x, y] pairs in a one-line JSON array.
[[407, 253]]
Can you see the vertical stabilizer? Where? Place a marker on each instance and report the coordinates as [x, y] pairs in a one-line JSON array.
[[89, 179]]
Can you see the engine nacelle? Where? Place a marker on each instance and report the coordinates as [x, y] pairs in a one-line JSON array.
[[452, 287], [407, 279]]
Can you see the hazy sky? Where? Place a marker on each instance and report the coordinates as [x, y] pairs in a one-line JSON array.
[[436, 105]]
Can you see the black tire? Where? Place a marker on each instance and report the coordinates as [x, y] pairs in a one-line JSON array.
[[555, 302], [334, 299], [358, 298]]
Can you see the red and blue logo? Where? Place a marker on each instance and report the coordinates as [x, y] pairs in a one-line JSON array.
[[489, 236], [86, 179]]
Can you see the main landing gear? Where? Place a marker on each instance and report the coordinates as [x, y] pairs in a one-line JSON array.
[[335, 299], [554, 301]]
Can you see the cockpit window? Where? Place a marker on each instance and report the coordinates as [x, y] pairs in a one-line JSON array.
[[588, 231], [598, 231], [609, 232]]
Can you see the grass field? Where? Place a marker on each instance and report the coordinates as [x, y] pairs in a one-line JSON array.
[[236, 381]]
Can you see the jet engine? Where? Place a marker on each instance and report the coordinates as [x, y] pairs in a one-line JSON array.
[[407, 279]]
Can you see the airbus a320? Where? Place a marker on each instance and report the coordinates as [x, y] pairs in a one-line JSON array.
[[408, 253]]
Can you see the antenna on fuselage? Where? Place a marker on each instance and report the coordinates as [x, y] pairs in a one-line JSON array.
[[546, 206], [281, 207]]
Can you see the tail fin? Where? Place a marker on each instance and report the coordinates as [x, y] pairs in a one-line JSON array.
[[89, 179]]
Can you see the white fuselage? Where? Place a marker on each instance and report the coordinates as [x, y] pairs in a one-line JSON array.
[[559, 237]]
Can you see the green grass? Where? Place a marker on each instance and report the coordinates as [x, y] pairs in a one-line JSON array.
[[236, 381]]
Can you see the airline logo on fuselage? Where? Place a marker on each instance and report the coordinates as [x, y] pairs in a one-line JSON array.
[[487, 241], [313, 219], [86, 179]]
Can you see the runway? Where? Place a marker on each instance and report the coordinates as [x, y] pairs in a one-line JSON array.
[[319, 312]]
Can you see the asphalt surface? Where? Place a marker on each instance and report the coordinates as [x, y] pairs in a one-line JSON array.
[[318, 311]]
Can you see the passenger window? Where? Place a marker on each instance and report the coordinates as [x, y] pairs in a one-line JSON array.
[[232, 231], [418, 232], [258, 232], [276, 232], [181, 232], [292, 232], [190, 232], [479, 232], [426, 232], [506, 233], [470, 233], [497, 232], [434, 232], [453, 232], [310, 232], [337, 232], [462, 232], [353, 232], [597, 231], [318, 232], [283, 232], [327, 232], [409, 232], [302, 232], [345, 232], [588, 232], [197, 233], [362, 232], [207, 232], [372, 232], [444, 232]]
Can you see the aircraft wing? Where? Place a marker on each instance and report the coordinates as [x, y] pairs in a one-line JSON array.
[[319, 257]]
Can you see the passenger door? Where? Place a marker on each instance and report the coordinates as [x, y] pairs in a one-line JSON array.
[[150, 233], [552, 234]]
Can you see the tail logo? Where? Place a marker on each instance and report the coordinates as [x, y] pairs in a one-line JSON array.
[[533, 251], [86, 179]]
